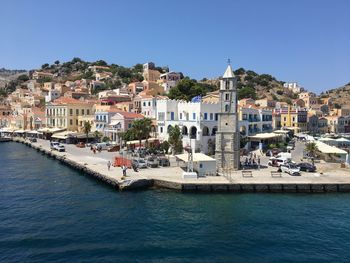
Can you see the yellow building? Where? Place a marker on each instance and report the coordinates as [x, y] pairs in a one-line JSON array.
[[64, 113], [86, 118], [295, 119]]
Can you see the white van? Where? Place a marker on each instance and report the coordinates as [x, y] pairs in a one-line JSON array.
[[102, 146], [278, 161]]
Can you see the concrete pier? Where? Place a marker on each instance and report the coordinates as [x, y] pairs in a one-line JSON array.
[[170, 177]]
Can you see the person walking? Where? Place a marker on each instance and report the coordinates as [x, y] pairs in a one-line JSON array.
[[259, 162], [124, 170], [109, 165]]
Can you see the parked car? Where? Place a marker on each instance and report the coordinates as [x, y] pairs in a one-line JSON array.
[[101, 146], [57, 146], [164, 162], [33, 140], [290, 168], [152, 162], [277, 162], [53, 144], [80, 145], [140, 163], [307, 167]]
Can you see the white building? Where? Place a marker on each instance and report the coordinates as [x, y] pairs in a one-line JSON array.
[[169, 80], [293, 86], [253, 120], [197, 122], [149, 106], [52, 95]]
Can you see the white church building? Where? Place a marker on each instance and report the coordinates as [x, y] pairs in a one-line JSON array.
[[196, 120]]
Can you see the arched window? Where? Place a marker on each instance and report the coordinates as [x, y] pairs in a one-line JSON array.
[[226, 108], [205, 131], [193, 132]]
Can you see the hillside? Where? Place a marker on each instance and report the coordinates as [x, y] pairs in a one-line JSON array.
[[6, 75], [340, 96], [250, 84], [258, 86]]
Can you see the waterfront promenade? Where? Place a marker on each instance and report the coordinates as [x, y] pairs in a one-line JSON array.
[[328, 174]]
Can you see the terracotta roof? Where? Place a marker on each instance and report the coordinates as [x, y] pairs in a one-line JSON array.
[[66, 100], [131, 115]]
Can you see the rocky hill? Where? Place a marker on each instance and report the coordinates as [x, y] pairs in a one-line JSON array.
[[340, 96], [258, 86], [250, 84], [6, 75]]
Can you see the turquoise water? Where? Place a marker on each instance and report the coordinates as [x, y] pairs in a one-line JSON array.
[[51, 213]]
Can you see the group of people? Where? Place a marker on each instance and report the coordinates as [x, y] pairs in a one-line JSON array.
[[124, 168], [252, 160], [93, 149]]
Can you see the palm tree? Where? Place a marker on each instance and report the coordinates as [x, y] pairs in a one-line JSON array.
[[87, 129], [147, 128], [141, 129], [311, 148], [97, 135], [175, 139], [137, 130]]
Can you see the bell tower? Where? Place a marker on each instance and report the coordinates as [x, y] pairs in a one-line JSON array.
[[227, 150]]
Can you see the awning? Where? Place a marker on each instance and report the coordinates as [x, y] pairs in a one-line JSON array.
[[326, 139], [113, 123], [325, 148], [197, 157], [268, 135], [142, 141], [33, 132], [6, 129], [281, 131], [342, 140], [19, 131], [62, 135], [51, 130]]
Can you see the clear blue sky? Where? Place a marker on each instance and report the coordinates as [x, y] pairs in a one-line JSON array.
[[301, 40]]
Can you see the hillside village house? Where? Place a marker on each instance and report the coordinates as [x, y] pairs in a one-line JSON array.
[[253, 120], [103, 115], [295, 119], [293, 86], [64, 113], [265, 103], [40, 75], [135, 88], [336, 124], [169, 80], [120, 122]]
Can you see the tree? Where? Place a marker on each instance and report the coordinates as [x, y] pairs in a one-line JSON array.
[[45, 66], [87, 129], [44, 79], [97, 135], [57, 62], [337, 106], [175, 139], [100, 63], [246, 92], [311, 148], [23, 78], [188, 88], [165, 146], [138, 67], [141, 129], [211, 147]]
